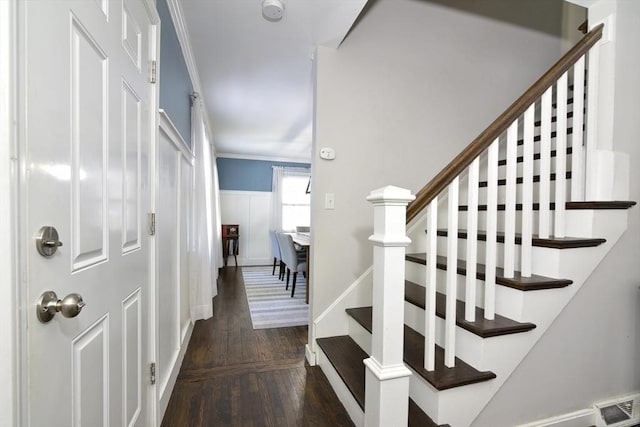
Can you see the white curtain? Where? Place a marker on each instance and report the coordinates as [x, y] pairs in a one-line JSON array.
[[217, 222], [277, 189], [203, 268]]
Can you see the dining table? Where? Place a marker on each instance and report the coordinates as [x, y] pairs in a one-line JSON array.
[[303, 240]]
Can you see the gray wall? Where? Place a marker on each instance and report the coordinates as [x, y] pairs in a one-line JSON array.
[[592, 351], [414, 82], [175, 83]]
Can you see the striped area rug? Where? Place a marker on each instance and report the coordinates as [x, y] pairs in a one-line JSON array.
[[271, 306]]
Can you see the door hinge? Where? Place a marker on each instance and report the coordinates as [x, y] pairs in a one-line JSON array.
[[152, 373], [152, 224], [153, 71]]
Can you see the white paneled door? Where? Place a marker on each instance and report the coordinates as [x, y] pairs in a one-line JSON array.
[[88, 117]]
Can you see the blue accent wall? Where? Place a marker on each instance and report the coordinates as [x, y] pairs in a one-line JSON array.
[[248, 175], [175, 83]]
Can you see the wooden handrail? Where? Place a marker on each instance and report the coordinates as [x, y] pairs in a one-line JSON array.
[[500, 125]]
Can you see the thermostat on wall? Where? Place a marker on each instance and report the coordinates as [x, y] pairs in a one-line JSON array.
[[327, 153]]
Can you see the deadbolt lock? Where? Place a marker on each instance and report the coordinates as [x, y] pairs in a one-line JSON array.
[[47, 241]]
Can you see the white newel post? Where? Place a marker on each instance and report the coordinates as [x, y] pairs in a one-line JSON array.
[[387, 379]]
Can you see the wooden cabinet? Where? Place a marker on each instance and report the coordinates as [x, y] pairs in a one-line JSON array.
[[230, 246]]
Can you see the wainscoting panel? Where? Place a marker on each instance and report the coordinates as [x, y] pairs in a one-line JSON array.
[[252, 211]]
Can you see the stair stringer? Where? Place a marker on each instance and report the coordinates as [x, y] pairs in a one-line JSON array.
[[344, 395], [503, 354], [334, 321]]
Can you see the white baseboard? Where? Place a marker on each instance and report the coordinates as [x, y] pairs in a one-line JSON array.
[[574, 419], [309, 355], [175, 370]]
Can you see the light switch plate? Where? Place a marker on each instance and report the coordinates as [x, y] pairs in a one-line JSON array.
[[329, 201]]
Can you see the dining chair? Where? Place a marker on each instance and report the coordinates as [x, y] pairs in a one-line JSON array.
[[277, 255], [291, 260]]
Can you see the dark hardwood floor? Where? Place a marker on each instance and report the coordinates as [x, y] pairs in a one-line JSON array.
[[233, 375]]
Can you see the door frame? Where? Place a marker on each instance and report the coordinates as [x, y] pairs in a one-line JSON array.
[[14, 362], [12, 320], [154, 132]]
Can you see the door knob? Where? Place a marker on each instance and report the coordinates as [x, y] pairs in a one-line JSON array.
[[49, 304], [47, 241]]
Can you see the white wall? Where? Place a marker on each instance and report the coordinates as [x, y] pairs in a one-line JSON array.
[[252, 211], [413, 83], [592, 351]]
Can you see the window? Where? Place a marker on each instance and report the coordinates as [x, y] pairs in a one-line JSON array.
[[295, 202], [291, 201]]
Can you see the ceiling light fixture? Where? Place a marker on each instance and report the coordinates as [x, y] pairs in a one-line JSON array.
[[272, 10]]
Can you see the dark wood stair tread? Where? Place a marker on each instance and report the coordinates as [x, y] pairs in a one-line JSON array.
[[417, 417], [535, 282], [346, 357], [552, 242], [614, 204], [415, 294], [519, 180], [442, 378]]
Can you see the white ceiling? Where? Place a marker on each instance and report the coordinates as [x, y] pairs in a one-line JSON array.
[[256, 75]]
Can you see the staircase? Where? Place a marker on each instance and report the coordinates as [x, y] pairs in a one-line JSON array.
[[499, 243]]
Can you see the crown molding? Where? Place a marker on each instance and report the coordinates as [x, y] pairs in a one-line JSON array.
[[177, 17], [264, 158]]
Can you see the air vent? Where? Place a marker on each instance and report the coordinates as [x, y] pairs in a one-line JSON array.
[[621, 412]]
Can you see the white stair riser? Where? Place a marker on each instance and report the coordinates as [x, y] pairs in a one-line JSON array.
[[509, 301], [482, 221], [469, 347], [445, 406], [502, 169], [360, 335], [481, 246], [344, 395], [502, 192]]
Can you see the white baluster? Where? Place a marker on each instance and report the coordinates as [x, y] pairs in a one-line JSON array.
[[577, 153], [452, 275], [386, 378], [545, 165], [430, 297], [472, 241], [492, 227], [510, 202], [561, 156], [527, 193]]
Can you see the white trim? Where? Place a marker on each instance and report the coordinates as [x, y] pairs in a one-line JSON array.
[[154, 132], [264, 158], [177, 17], [581, 418], [12, 328], [342, 297], [310, 355], [388, 372], [167, 126], [175, 370]]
